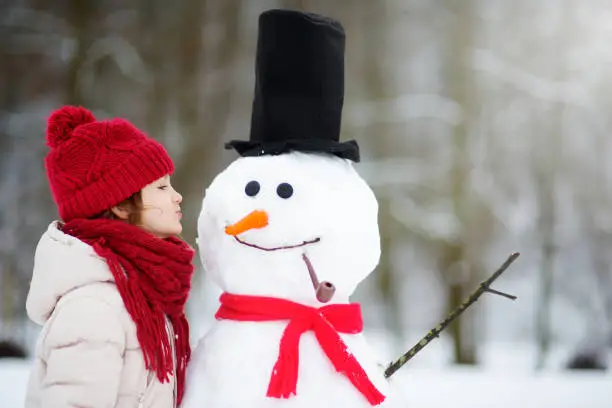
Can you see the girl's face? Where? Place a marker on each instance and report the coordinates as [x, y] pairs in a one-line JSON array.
[[161, 209]]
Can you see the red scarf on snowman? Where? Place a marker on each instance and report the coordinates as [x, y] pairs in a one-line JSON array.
[[325, 321]]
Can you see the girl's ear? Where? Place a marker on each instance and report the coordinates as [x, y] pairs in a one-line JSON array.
[[120, 212]]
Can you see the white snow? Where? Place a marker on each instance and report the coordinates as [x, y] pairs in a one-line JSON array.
[[505, 381], [475, 388], [13, 382]]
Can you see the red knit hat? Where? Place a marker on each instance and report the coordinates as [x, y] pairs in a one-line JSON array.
[[94, 165]]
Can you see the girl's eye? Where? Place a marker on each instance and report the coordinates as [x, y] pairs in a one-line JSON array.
[[162, 187]]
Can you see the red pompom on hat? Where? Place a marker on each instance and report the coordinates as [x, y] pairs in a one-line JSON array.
[[94, 165]]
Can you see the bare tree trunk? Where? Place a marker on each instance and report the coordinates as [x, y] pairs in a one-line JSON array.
[[9, 97], [600, 244], [203, 120], [373, 22], [80, 15], [190, 47], [25, 203], [546, 226], [456, 264], [156, 47], [547, 168], [9, 291]]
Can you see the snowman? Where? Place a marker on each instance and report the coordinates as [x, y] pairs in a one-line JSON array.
[[288, 231]]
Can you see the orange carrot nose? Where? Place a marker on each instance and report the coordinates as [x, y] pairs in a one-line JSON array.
[[256, 219]]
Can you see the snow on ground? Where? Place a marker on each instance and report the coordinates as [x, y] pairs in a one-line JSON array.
[[444, 388], [474, 388], [505, 380], [13, 382]]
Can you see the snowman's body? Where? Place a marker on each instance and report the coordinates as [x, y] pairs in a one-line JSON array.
[[331, 216], [233, 362]]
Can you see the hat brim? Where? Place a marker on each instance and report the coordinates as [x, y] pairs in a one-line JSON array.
[[345, 150]]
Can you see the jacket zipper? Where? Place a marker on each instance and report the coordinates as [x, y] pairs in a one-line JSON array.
[[148, 384], [174, 363], [172, 337]]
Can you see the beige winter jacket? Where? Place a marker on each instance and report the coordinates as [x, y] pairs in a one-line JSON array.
[[87, 354]]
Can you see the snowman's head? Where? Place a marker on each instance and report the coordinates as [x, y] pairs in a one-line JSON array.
[[262, 215]]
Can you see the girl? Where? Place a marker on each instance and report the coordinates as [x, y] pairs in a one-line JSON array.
[[111, 279]]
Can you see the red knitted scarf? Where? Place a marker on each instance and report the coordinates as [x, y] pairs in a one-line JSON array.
[[153, 276], [325, 321]]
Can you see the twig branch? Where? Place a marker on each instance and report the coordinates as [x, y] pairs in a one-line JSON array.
[[435, 332]]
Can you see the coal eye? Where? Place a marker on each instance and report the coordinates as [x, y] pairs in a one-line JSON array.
[[284, 190], [252, 188]]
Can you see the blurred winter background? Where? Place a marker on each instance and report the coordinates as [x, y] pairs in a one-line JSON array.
[[484, 127]]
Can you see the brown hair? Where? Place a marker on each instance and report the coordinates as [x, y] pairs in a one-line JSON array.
[[133, 204]]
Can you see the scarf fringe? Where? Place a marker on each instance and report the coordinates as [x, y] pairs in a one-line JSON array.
[[153, 277]]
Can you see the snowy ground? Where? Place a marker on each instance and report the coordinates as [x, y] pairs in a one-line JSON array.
[[448, 388], [506, 380], [461, 388]]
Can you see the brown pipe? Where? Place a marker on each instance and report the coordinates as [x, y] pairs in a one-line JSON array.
[[324, 291]]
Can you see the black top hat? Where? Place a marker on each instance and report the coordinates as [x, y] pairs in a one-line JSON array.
[[299, 87]]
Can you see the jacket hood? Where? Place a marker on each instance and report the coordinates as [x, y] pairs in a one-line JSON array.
[[62, 263]]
